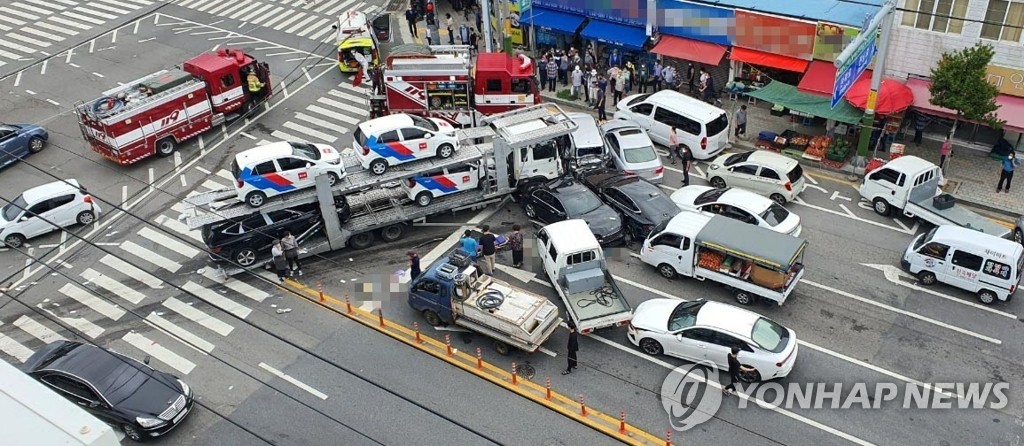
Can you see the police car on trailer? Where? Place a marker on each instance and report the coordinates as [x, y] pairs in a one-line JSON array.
[[400, 138], [423, 189]]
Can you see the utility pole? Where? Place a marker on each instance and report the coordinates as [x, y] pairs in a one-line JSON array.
[[485, 9]]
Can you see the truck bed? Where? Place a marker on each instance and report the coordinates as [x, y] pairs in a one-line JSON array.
[[777, 295], [597, 308], [956, 215]]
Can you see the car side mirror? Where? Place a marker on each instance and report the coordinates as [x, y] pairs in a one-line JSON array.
[[23, 218], [308, 165], [428, 136], [94, 404], [146, 360]]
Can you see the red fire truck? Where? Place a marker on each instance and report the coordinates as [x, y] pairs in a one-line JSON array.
[[152, 115], [442, 82]]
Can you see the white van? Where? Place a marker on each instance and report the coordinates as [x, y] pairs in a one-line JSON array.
[[702, 127], [587, 148], [967, 259]]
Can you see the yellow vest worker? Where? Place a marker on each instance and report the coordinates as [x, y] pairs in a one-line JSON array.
[[254, 83]]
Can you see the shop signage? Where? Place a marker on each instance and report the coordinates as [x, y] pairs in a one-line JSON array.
[[629, 12], [849, 73], [525, 5], [829, 40], [513, 28], [1008, 80], [697, 22], [775, 35]]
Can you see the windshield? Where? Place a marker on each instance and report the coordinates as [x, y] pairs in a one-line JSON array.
[[423, 123], [580, 201], [589, 151], [685, 315], [737, 158], [795, 174], [718, 125], [775, 214], [769, 335], [304, 150], [639, 154], [927, 238], [709, 196], [638, 99], [14, 208]]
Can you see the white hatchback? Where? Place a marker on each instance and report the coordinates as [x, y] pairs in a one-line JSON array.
[[282, 167], [425, 187], [739, 204], [702, 330], [46, 208], [401, 138], [773, 175]]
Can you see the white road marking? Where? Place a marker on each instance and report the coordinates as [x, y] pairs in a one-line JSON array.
[[292, 19], [817, 188], [893, 275], [178, 227], [21, 14], [849, 215], [215, 299], [90, 300], [81, 17], [159, 352], [236, 285], [210, 185], [169, 242], [286, 137], [256, 13], [66, 22], [198, 316], [185, 335], [14, 348], [37, 330], [103, 7], [28, 40], [225, 174], [311, 132], [112, 285], [132, 271], [294, 381], [183, 182], [47, 35], [360, 100], [320, 122], [333, 114], [452, 329], [340, 106], [277, 17], [78, 323], [836, 194], [243, 11], [150, 256], [521, 274], [17, 47], [318, 26], [547, 352], [301, 24]]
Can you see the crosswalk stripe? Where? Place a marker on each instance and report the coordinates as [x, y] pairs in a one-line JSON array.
[[132, 271], [279, 16], [237, 285], [185, 335], [286, 137], [81, 324], [112, 285], [90, 300], [301, 23], [76, 16], [28, 40], [314, 133], [339, 105], [46, 4], [221, 8], [256, 13], [4, 27], [225, 174], [217, 300], [159, 352], [37, 330], [169, 242], [320, 122], [211, 185], [178, 227], [142, 2], [39, 33], [297, 16], [232, 8], [323, 33], [16, 47], [92, 12], [14, 348], [150, 256], [56, 28], [32, 8], [351, 87], [270, 15], [198, 316], [192, 4], [320, 25], [243, 11], [21, 14], [67, 2], [213, 4], [11, 56], [264, 142], [335, 114], [178, 207], [11, 20], [108, 8], [341, 6], [130, 6], [361, 100]]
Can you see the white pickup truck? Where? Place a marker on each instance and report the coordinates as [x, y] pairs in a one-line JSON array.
[[911, 184], [574, 262]]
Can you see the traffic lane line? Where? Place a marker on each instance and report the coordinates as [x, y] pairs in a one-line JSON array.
[[293, 381], [896, 275]]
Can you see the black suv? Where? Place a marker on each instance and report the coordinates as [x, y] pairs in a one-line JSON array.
[[643, 205], [566, 199], [245, 240]]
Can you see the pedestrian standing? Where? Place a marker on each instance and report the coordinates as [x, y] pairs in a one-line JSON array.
[[469, 244], [573, 347], [657, 76], [642, 78], [414, 265], [620, 86], [735, 368], [947, 147], [280, 264], [691, 79], [487, 248], [628, 77], [473, 43], [543, 68], [515, 243], [552, 73], [430, 36], [740, 118], [577, 82], [1009, 164], [450, 24], [686, 156], [601, 114], [919, 125], [709, 91], [410, 16], [291, 253], [586, 84], [668, 74], [673, 146], [563, 68]]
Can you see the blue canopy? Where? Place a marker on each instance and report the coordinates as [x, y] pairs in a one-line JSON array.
[[547, 18], [615, 34]]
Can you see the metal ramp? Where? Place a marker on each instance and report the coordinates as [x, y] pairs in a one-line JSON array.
[[474, 133], [557, 123]]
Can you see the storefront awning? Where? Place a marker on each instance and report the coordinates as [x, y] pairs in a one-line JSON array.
[[821, 77], [689, 49], [762, 58], [788, 96], [1011, 108], [615, 34], [555, 20]]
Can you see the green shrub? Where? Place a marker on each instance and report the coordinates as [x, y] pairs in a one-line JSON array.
[[567, 95]]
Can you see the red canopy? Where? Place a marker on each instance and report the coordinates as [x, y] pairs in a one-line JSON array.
[[689, 49], [821, 77], [893, 96]]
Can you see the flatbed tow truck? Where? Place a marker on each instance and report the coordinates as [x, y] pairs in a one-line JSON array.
[[380, 210]]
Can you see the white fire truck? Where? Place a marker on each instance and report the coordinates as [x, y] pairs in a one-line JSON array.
[[444, 81], [152, 115], [519, 147]]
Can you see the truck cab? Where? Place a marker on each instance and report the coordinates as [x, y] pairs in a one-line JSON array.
[[225, 73], [503, 82]]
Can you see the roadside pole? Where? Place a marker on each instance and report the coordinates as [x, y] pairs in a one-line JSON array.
[[485, 9], [876, 83]]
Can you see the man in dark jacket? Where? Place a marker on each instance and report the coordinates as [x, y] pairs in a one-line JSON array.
[[574, 346], [411, 17]]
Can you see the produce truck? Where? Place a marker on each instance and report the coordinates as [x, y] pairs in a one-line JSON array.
[[754, 262], [574, 262]]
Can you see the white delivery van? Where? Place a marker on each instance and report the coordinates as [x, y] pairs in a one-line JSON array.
[[967, 259], [702, 127]]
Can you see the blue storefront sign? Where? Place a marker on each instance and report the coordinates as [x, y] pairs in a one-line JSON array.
[[628, 12]]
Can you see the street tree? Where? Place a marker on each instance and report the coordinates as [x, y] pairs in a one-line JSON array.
[[959, 84]]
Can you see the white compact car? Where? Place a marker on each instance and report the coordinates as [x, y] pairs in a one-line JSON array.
[[400, 138], [424, 188], [46, 208], [282, 167], [702, 330], [739, 204], [632, 150], [773, 175]]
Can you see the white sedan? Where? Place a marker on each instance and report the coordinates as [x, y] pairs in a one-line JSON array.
[[632, 150], [702, 330], [739, 204]]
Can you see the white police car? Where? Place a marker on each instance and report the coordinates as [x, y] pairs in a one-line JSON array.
[[400, 138], [424, 188], [282, 167]]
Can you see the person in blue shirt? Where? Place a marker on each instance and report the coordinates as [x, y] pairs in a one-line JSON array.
[[469, 244], [1009, 163]]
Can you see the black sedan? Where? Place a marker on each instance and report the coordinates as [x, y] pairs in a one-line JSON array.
[[119, 390], [565, 199], [643, 205], [19, 140]]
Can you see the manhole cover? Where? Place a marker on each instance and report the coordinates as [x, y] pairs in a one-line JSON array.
[[526, 371]]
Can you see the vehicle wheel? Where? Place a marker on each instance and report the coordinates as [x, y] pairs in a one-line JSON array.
[[986, 297], [881, 207], [750, 377], [86, 218], [244, 257], [1018, 236], [256, 199], [14, 241], [332, 178], [745, 298], [502, 348], [392, 233], [378, 166], [424, 199], [445, 151], [530, 211], [927, 278], [432, 318], [778, 199], [131, 432], [361, 241], [36, 144], [165, 147], [651, 347], [667, 271], [718, 182]]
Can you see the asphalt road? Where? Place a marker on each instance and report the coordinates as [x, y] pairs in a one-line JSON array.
[[138, 282]]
